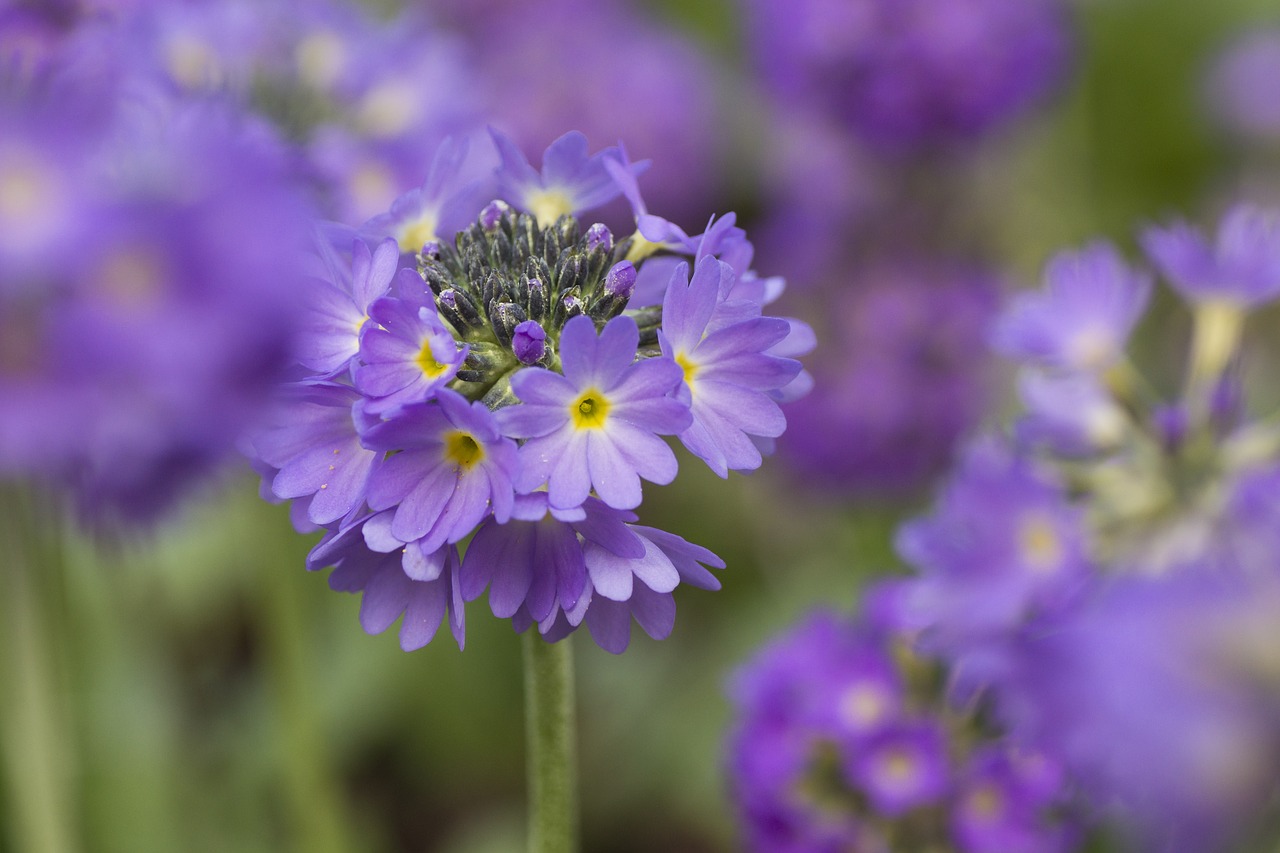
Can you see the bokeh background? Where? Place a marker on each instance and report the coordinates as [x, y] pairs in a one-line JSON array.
[[210, 695]]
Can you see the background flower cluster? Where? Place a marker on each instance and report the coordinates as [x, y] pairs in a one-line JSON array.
[[987, 211]]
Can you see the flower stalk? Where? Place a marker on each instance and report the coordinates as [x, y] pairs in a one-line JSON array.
[[551, 751]]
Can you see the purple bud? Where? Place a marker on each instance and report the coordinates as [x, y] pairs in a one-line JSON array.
[[493, 213], [430, 249], [600, 237], [621, 280], [1170, 423], [529, 342], [449, 299]]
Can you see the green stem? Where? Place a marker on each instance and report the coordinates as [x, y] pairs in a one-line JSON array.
[[33, 721], [550, 731], [320, 819]]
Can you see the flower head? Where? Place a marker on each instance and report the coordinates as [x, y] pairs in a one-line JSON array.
[[570, 182], [1242, 266]]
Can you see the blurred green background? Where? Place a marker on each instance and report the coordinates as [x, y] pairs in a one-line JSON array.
[[208, 695]]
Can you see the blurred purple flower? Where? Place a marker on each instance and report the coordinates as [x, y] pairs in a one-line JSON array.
[[131, 357], [899, 379], [619, 76], [1082, 320], [1241, 267], [1241, 91], [912, 74]]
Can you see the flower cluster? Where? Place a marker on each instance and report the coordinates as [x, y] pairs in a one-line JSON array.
[[506, 386], [137, 235], [1106, 581], [902, 380], [840, 744], [906, 74]]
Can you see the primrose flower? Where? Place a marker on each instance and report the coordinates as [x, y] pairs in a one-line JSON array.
[[1083, 320], [438, 209], [1098, 588], [130, 362], [596, 426], [453, 469], [570, 181], [839, 741], [335, 311], [513, 386], [409, 354], [1242, 267], [727, 373]]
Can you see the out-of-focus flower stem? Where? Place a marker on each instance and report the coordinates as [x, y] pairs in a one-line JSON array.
[[550, 730], [317, 813], [35, 733]]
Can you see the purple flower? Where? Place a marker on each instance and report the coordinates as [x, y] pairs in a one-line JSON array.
[[1241, 268], [130, 359], [313, 447], [590, 564], [335, 312], [656, 88], [1002, 803], [453, 468], [909, 74], [570, 181], [1239, 87], [902, 767], [727, 374], [1073, 414], [1082, 320], [444, 204], [1001, 547], [1146, 697], [388, 592], [409, 355], [597, 426], [900, 380]]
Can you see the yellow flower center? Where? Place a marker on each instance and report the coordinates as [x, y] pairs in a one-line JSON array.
[[192, 63], [863, 705], [321, 57], [132, 277], [1039, 543], [427, 361], [590, 410], [462, 450], [389, 109], [413, 234], [986, 802], [899, 766], [549, 205], [688, 365]]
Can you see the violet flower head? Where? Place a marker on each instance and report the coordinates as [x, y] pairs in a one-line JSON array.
[[1241, 267], [131, 357], [910, 75], [1082, 321], [834, 744], [570, 181], [596, 426], [655, 88], [512, 388], [337, 306], [1099, 588], [727, 372], [901, 378]]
